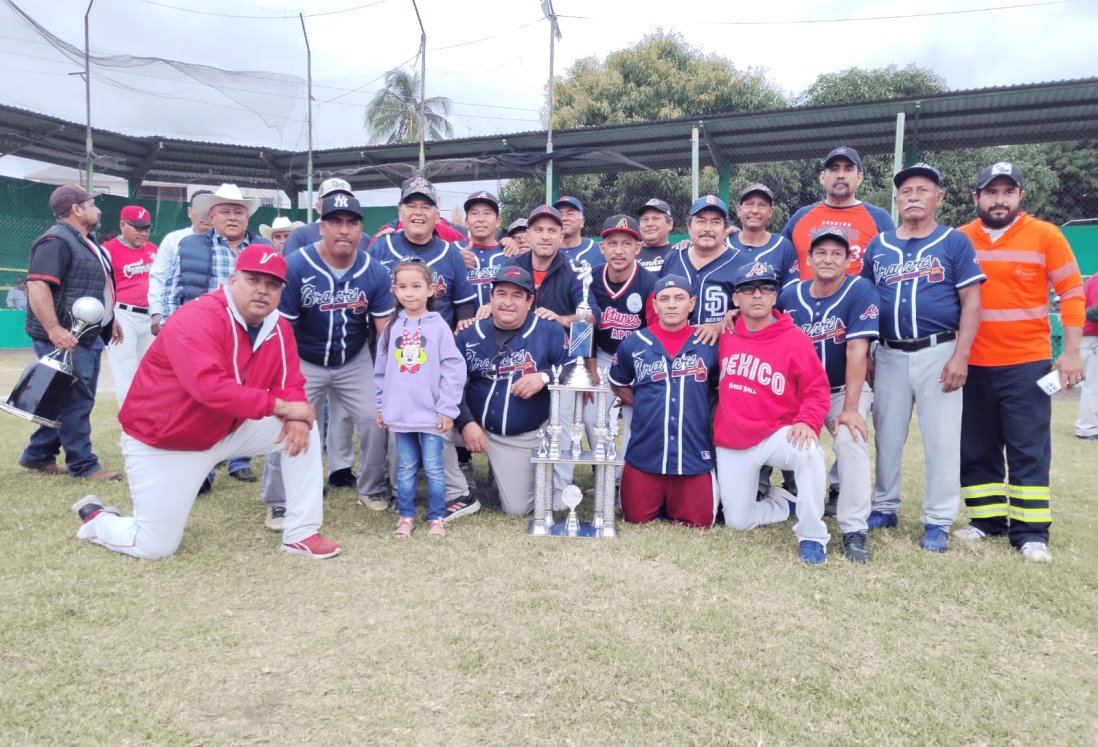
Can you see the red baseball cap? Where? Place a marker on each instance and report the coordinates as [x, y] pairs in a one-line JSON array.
[[136, 216], [264, 259]]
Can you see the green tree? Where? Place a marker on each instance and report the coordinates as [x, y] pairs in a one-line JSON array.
[[661, 77], [392, 116], [859, 84]]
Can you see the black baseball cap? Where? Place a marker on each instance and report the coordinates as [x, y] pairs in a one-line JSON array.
[[655, 204], [995, 170], [834, 234], [517, 226], [843, 151], [486, 197], [624, 223], [418, 186], [340, 202], [918, 169], [515, 276], [757, 188]]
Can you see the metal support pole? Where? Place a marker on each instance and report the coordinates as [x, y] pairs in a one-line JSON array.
[[309, 163], [724, 183], [422, 84], [897, 157], [88, 154], [695, 168], [549, 124]]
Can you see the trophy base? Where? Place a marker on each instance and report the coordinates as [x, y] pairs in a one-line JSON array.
[[37, 419], [587, 530]]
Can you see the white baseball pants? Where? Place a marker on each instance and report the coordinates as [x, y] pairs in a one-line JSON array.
[[137, 336], [1086, 421], [852, 463]]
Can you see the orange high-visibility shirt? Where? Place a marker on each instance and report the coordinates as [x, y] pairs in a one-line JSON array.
[[1014, 311]]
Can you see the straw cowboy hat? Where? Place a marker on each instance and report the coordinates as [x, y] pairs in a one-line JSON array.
[[226, 194], [281, 223]]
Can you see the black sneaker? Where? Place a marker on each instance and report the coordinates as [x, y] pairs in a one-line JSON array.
[[856, 547], [832, 506], [463, 506], [342, 478]]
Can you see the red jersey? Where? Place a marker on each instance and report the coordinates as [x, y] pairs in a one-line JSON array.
[[859, 222], [769, 379], [131, 271], [202, 377]]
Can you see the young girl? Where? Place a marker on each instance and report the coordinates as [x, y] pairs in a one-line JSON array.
[[419, 376]]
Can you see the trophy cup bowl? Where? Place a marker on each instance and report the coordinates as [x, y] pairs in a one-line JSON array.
[[39, 393]]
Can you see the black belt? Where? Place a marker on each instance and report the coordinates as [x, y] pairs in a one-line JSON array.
[[910, 346], [837, 389], [134, 309]]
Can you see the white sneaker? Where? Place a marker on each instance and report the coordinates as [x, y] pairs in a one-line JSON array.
[[1037, 552], [276, 516], [970, 533], [374, 502]]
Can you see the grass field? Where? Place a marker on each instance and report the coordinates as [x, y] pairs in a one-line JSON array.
[[665, 636]]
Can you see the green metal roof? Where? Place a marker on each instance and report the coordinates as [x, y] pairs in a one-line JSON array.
[[1009, 115]]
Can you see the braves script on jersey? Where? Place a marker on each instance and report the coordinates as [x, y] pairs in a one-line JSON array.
[[849, 313], [672, 395], [331, 315], [448, 273], [918, 279], [486, 263]]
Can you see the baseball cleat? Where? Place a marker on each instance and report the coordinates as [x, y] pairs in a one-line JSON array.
[[315, 546]]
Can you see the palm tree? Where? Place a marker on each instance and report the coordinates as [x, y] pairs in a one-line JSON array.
[[392, 116]]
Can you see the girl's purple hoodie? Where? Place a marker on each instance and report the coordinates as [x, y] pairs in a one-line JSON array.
[[420, 375]]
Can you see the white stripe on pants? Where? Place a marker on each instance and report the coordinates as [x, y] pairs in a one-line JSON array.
[[352, 385], [738, 477], [164, 484], [903, 381], [852, 463], [1086, 421]]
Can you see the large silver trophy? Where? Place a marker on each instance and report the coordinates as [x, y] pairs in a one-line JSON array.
[[581, 336], [601, 458], [40, 391]]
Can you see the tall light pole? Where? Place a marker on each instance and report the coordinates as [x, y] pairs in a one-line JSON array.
[[422, 83], [88, 157], [309, 165], [554, 35]]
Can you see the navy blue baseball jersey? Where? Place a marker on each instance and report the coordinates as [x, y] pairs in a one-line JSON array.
[[671, 396], [536, 346], [847, 314], [486, 262], [448, 272], [918, 279], [779, 253], [623, 307], [712, 284], [652, 258], [331, 316], [587, 249]]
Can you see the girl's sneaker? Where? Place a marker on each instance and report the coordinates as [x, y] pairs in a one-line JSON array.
[[404, 529], [437, 529]]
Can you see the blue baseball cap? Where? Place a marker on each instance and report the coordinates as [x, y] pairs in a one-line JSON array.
[[673, 281], [709, 202], [566, 201], [545, 211], [756, 272]]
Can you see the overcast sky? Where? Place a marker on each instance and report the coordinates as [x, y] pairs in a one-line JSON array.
[[491, 58]]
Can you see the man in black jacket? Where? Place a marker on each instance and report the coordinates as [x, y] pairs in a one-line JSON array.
[[66, 264]]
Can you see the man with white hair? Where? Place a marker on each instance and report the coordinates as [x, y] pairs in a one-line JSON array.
[[204, 262]]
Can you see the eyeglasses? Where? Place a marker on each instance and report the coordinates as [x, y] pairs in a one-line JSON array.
[[751, 288]]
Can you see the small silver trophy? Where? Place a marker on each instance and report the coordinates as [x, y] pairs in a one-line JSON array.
[[542, 448], [581, 336], [38, 394], [571, 496]]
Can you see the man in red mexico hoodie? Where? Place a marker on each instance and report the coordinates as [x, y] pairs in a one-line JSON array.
[[773, 398], [223, 379]]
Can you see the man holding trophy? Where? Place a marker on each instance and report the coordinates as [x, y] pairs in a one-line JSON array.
[[66, 264]]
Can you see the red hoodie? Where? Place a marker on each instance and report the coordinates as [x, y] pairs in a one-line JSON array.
[[769, 379], [200, 379]]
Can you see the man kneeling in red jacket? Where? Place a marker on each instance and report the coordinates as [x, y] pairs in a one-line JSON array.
[[773, 397], [223, 379]]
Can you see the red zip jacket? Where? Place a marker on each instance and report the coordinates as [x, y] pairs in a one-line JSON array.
[[769, 379], [201, 379]]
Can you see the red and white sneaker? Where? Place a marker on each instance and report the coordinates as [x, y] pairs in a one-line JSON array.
[[315, 546]]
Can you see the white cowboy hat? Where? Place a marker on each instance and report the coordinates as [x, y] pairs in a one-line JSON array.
[[281, 223], [226, 194]]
